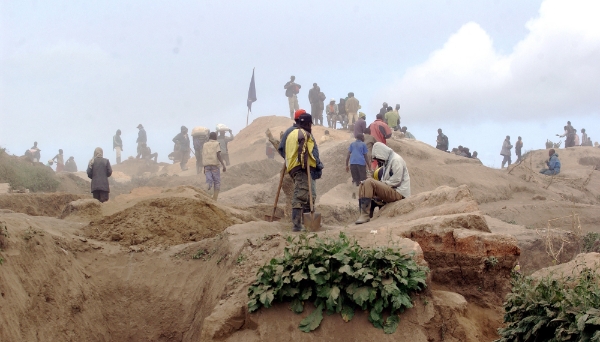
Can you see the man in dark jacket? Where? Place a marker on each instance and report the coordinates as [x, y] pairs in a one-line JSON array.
[[342, 115], [360, 125], [441, 141], [98, 171], [383, 109], [313, 98], [182, 145], [141, 140]]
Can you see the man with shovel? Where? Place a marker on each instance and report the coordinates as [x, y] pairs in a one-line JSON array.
[[298, 148]]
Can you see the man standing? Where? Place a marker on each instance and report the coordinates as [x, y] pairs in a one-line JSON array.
[[380, 130], [393, 184], [518, 148], [141, 140], [383, 109], [223, 140], [506, 147], [360, 125], [60, 161], [553, 164], [118, 145], [211, 157], [352, 107], [585, 141], [34, 151], [332, 113], [300, 152], [182, 145], [291, 91], [392, 118], [441, 141], [199, 139], [342, 115], [397, 110], [357, 160], [313, 98]]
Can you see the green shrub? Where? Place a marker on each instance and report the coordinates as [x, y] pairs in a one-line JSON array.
[[340, 276], [563, 309], [591, 243], [21, 174]]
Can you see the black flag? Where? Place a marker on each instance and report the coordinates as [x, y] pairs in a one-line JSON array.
[[251, 93]]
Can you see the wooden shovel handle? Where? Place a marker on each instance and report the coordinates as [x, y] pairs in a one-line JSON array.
[[278, 191], [312, 209]]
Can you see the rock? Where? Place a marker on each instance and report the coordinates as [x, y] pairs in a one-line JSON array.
[[116, 237], [227, 318], [442, 201], [573, 267], [471, 262]]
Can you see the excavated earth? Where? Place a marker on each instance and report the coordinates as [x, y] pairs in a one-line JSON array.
[[162, 261]]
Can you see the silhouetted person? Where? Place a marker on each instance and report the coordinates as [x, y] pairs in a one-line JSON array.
[[141, 141], [224, 140], [505, 152], [60, 161], [98, 171], [70, 165], [441, 141], [118, 145], [291, 91], [518, 147], [182, 146]]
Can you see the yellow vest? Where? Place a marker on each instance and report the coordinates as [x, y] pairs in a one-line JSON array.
[[292, 159]]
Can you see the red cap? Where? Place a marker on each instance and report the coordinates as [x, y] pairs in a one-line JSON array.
[[298, 113]]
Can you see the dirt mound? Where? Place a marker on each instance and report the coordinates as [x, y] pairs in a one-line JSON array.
[[571, 268], [163, 221], [72, 183], [136, 167], [51, 204], [82, 209]]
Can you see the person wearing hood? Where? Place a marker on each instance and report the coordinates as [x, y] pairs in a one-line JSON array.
[[118, 145], [98, 171], [505, 152], [299, 149], [553, 164], [182, 144], [393, 184]]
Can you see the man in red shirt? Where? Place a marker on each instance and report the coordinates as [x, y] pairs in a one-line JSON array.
[[380, 130]]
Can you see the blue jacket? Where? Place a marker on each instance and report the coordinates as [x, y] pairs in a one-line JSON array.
[[315, 173], [554, 163]]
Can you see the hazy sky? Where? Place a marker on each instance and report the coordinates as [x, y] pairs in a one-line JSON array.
[[71, 73]]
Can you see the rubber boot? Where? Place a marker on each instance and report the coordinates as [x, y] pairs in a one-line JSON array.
[[215, 194], [297, 219], [365, 209]]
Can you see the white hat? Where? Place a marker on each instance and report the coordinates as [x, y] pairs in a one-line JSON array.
[[332, 100]]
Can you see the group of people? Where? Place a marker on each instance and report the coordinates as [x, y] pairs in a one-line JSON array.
[[572, 138], [345, 112], [380, 174], [33, 155]]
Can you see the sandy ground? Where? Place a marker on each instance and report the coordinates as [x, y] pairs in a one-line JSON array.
[[161, 261]]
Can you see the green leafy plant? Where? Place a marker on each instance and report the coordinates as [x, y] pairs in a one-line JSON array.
[[339, 276], [240, 259], [553, 309], [490, 262], [200, 253]]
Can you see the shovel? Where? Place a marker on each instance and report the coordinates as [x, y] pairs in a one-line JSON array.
[[273, 217], [312, 220]]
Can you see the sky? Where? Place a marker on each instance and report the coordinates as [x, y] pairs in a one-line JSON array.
[[72, 73]]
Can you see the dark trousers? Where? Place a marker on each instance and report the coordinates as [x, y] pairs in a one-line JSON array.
[[359, 173], [100, 195]]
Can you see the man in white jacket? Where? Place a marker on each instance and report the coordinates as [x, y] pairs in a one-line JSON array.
[[393, 184]]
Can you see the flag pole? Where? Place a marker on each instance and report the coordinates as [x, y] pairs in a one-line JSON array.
[[247, 117]]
